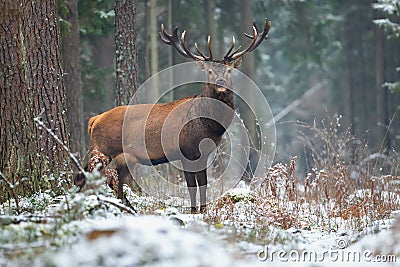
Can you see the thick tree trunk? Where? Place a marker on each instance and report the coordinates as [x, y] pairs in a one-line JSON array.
[[31, 83], [126, 54], [73, 79]]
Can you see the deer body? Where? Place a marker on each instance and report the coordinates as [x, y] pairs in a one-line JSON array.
[[105, 130], [159, 133]]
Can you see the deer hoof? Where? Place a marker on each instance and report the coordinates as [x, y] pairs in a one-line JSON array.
[[193, 210], [203, 209]]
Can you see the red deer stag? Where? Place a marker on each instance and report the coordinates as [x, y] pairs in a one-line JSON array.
[[208, 120]]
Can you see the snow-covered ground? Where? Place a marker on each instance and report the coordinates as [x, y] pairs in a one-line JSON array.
[[92, 230], [161, 241]]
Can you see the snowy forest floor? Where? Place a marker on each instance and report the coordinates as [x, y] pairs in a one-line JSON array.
[[320, 223]]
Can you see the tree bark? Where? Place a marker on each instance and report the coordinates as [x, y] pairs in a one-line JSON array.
[[348, 88], [247, 68], [103, 57], [153, 94], [31, 83], [381, 114], [209, 7], [146, 36], [126, 53], [73, 79]]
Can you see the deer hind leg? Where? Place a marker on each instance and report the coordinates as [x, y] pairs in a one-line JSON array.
[[122, 163], [192, 186], [80, 178], [96, 158], [201, 178]]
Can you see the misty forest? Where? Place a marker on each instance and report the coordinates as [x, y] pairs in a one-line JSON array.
[[199, 133]]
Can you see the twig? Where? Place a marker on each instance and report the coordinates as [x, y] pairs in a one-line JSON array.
[[11, 187], [118, 205], [66, 149]]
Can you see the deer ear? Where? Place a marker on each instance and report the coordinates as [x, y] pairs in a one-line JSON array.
[[237, 62], [200, 64]]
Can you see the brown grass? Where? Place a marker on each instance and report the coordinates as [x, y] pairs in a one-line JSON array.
[[347, 185]]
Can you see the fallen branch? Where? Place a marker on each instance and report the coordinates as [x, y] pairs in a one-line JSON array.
[[6, 220]]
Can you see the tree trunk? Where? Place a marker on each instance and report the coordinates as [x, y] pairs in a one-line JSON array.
[[348, 89], [176, 58], [103, 57], [248, 69], [170, 95], [73, 79], [153, 94], [146, 36], [381, 114], [126, 54], [209, 7], [31, 83]]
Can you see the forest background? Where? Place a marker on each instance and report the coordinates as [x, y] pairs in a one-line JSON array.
[[324, 61]]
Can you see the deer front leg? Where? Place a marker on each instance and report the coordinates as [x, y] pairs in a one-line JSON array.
[[201, 177], [192, 186]]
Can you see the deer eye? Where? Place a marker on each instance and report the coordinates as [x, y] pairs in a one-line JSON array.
[[210, 72], [229, 70]]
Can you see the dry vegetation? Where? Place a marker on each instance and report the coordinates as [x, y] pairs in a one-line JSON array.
[[346, 187]]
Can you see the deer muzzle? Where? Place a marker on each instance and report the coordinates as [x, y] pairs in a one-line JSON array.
[[221, 85]]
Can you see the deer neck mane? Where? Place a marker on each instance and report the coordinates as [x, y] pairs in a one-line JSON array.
[[220, 113], [226, 97]]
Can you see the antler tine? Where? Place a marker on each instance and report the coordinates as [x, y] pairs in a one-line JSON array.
[[249, 48], [263, 35], [164, 36], [232, 46], [237, 50], [187, 50], [200, 52], [210, 57], [178, 43], [251, 36], [209, 47], [256, 39]]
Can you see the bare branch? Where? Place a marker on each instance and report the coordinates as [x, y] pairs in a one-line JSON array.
[[66, 149], [116, 204], [11, 188]]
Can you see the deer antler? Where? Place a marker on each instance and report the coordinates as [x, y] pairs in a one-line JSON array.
[[257, 38], [179, 44]]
